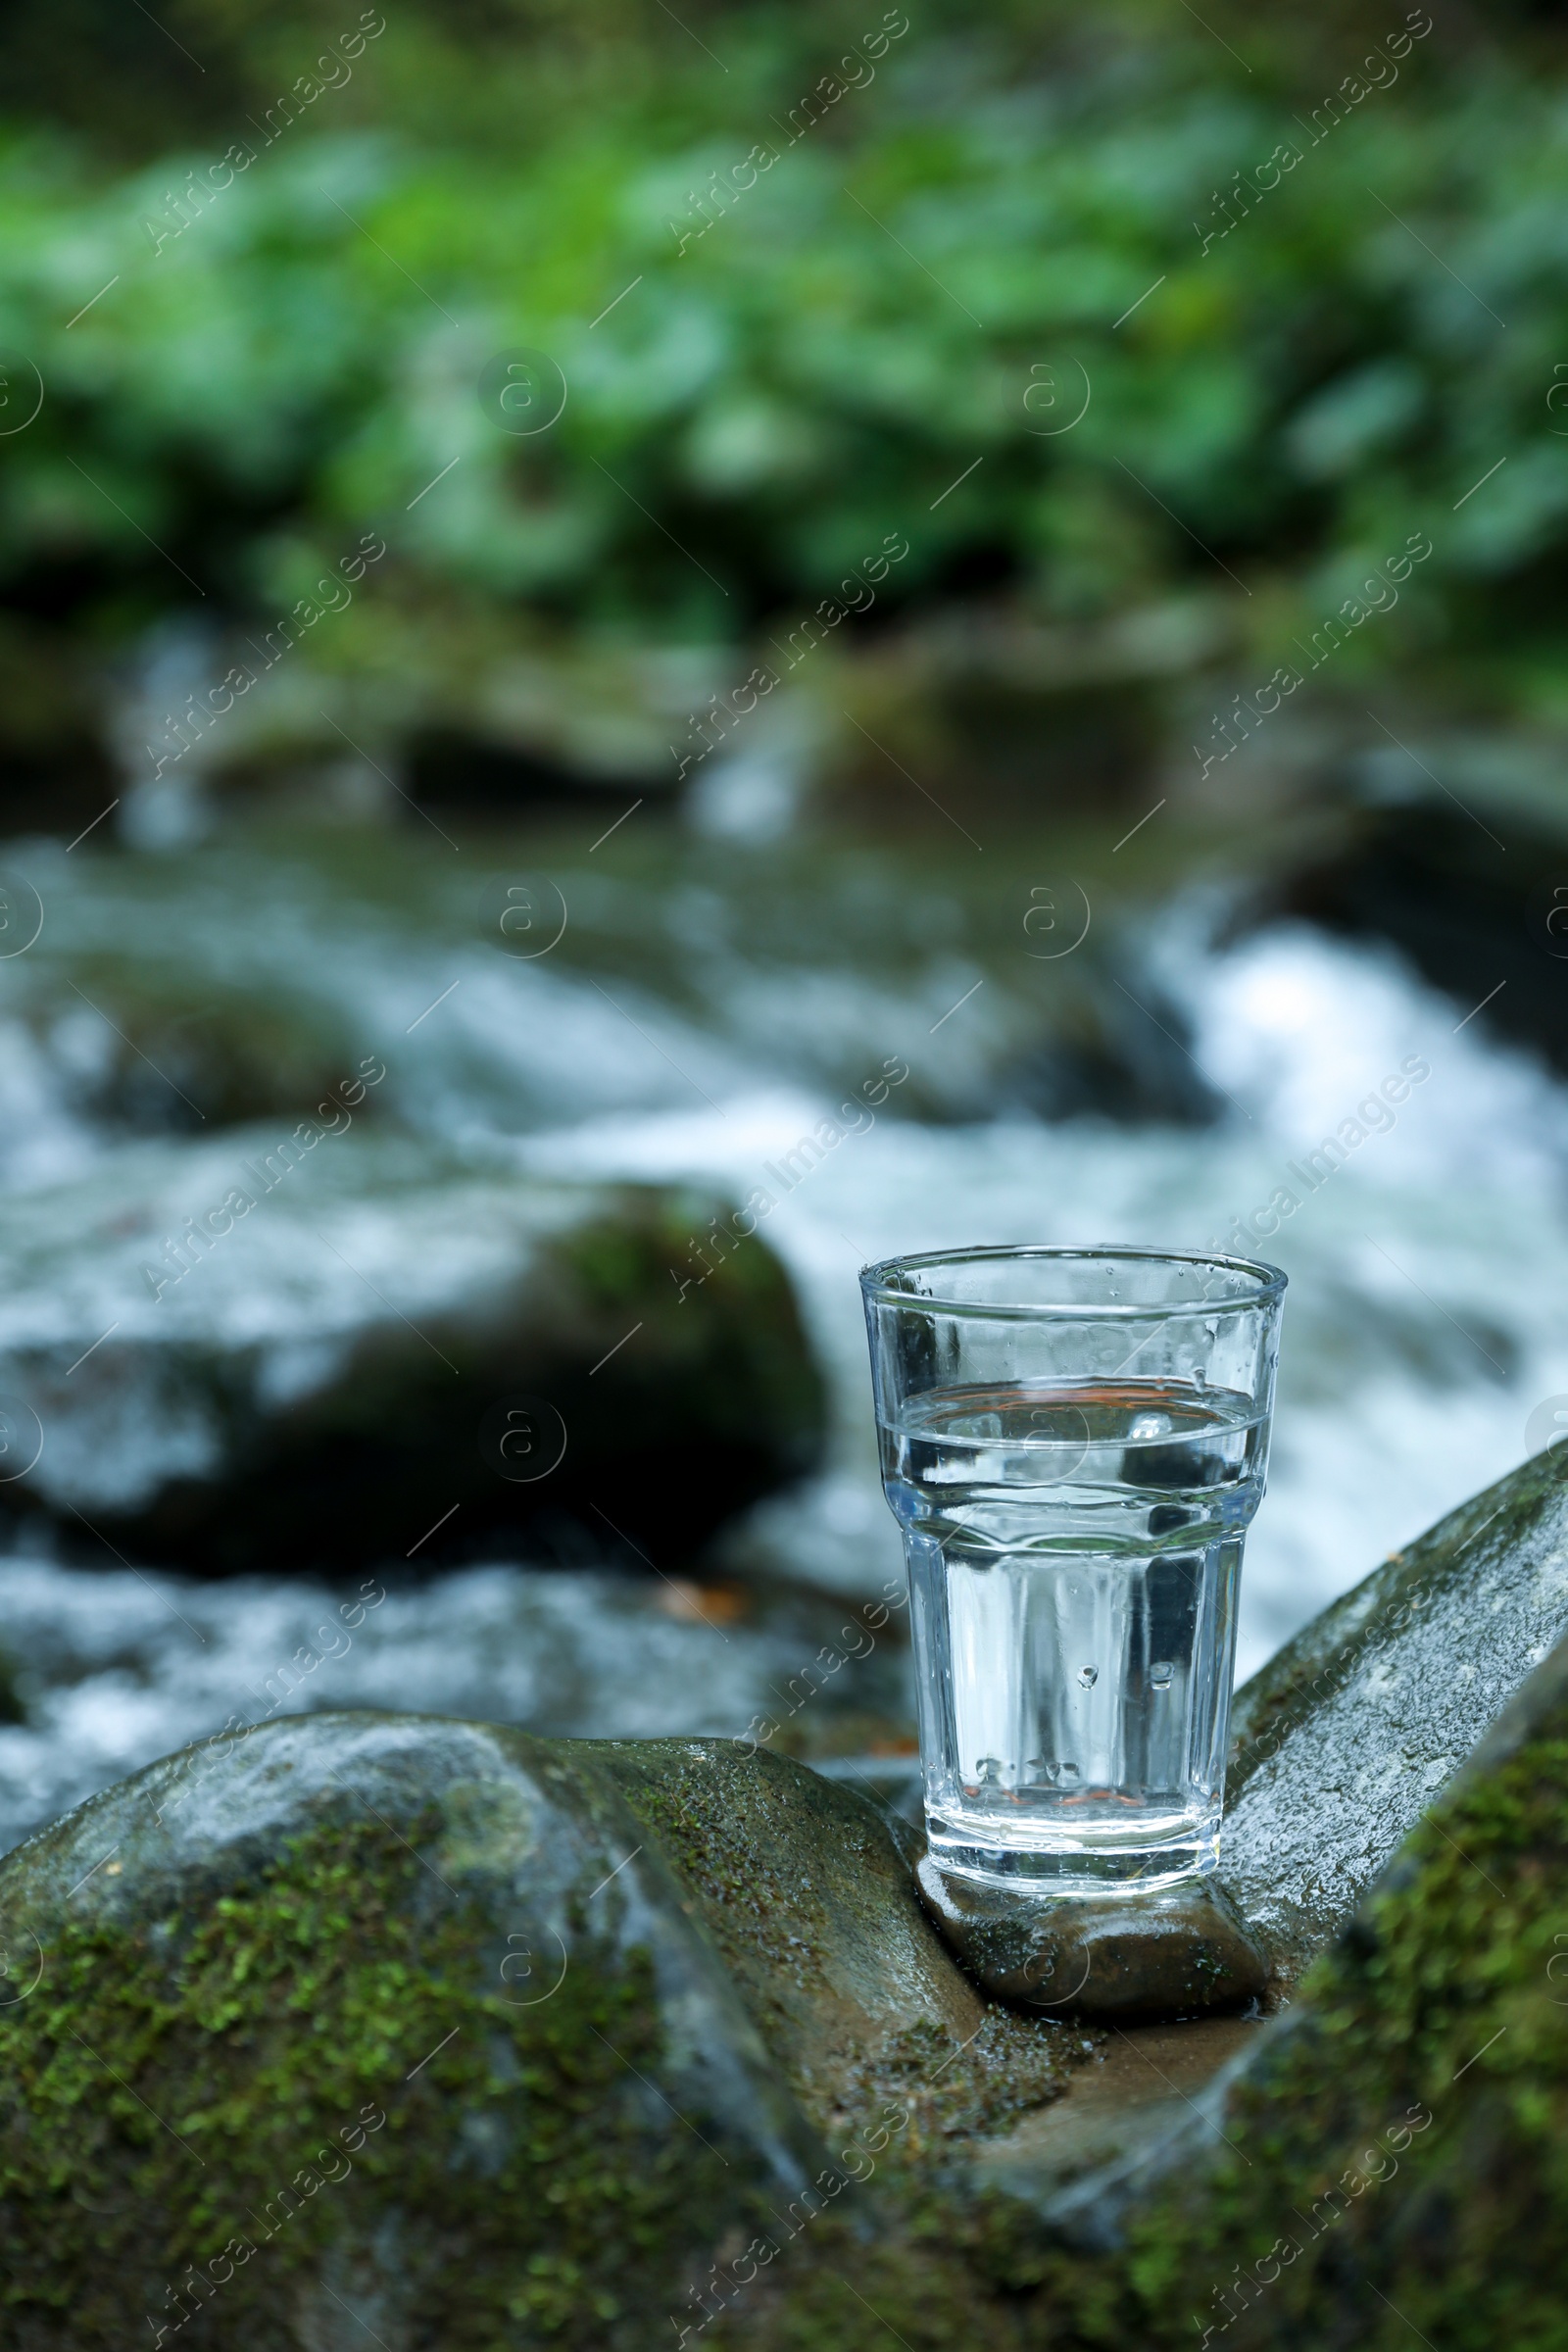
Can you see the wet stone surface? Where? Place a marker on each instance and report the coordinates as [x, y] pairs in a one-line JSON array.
[[1352, 1732], [1381, 2163], [1173, 1952]]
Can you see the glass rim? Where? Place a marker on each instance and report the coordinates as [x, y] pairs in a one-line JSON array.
[[876, 1288]]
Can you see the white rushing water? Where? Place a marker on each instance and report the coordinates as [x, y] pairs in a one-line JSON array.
[[1421, 1331]]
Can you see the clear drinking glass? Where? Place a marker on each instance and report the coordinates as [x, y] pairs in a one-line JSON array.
[[1073, 1443]]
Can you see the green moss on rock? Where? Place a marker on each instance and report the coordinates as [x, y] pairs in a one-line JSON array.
[[351, 2075], [721, 1345], [278, 2019], [1391, 2166], [1401, 2150], [814, 1913], [366, 2018]]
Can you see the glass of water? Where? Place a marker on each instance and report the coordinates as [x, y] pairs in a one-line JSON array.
[[1073, 1443]]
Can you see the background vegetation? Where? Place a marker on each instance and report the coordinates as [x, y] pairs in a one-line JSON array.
[[912, 294]]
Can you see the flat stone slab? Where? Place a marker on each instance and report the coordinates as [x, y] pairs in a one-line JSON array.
[[1139, 2092], [1170, 1952]]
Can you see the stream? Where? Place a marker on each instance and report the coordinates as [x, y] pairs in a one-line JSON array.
[[662, 1008]]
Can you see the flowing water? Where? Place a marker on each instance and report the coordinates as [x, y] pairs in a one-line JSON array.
[[720, 1013]]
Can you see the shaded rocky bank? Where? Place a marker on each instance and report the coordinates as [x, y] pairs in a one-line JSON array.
[[468, 2037]]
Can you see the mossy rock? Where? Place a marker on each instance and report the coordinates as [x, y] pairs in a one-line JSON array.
[[1394, 2158], [1278, 2182], [430, 2024], [329, 1376], [619, 2105], [662, 2041], [809, 1900], [464, 1931], [1384, 2165]]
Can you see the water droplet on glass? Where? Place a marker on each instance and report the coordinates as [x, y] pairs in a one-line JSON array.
[[1067, 1775], [989, 1772], [1088, 1677], [1160, 1673]]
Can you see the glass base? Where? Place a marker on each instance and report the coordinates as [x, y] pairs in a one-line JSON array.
[[1078, 1869]]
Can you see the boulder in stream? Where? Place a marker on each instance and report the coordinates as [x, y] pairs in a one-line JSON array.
[[345, 1348]]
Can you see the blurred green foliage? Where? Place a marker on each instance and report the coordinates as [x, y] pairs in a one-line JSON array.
[[916, 290]]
